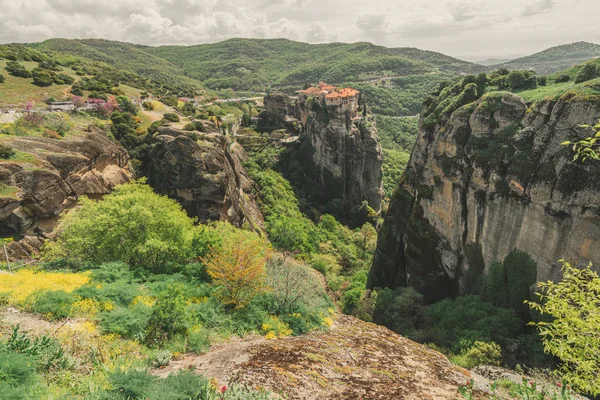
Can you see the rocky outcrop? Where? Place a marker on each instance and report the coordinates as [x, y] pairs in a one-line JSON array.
[[487, 178], [205, 175], [352, 360], [345, 156], [278, 108], [48, 175], [339, 151]]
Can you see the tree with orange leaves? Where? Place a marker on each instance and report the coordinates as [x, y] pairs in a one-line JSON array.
[[237, 266]]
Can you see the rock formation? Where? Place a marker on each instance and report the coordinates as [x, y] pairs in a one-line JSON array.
[[339, 153], [205, 176], [48, 175], [483, 179]]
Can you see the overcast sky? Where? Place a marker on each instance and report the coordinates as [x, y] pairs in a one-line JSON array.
[[468, 29]]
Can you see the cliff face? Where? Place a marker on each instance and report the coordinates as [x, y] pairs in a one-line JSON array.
[[490, 177], [345, 155], [340, 155], [37, 186], [205, 176]]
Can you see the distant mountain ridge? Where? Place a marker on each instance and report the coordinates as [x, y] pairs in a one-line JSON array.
[[554, 59], [258, 64]]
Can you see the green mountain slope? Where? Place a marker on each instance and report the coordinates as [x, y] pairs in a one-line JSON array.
[[555, 58], [259, 64], [124, 56]]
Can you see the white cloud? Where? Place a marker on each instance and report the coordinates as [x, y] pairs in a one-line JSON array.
[[538, 7], [465, 28]]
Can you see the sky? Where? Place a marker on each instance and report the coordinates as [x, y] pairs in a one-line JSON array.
[[473, 30]]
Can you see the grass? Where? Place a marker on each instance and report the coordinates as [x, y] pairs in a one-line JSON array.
[[554, 91], [22, 157], [15, 92], [8, 191]]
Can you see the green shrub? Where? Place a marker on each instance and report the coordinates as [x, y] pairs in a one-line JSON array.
[[131, 322], [587, 72], [162, 358], [478, 353], [181, 385], [171, 117], [6, 152], [131, 385], [16, 69], [169, 316], [119, 293], [449, 321], [2, 78], [53, 304], [133, 225], [198, 341], [562, 78], [18, 379], [508, 284], [294, 285], [398, 309]]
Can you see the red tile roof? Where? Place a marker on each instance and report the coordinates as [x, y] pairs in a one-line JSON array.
[[331, 92]]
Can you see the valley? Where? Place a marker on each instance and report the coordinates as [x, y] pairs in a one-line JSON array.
[[208, 221]]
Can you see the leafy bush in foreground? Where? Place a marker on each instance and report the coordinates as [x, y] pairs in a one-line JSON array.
[[132, 225]]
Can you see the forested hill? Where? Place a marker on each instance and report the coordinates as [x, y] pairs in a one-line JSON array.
[[555, 58], [241, 63], [258, 64], [123, 56]]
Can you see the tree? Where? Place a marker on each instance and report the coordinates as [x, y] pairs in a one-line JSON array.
[[124, 129], [572, 335], [293, 284], [481, 82], [587, 72], [246, 120], [132, 225], [6, 152], [237, 266]]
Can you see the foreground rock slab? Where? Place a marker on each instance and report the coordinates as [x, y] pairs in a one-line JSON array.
[[353, 360]]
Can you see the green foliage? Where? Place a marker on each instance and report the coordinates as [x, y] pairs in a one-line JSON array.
[[18, 378], [182, 385], [586, 149], [521, 80], [105, 58], [16, 69], [132, 225], [508, 284], [397, 133], [169, 316], [398, 309], [127, 322], [6, 152], [171, 117], [561, 78], [123, 128], [294, 287], [571, 335], [53, 304], [402, 95], [394, 164], [252, 64], [2, 78], [478, 353], [467, 318], [587, 72]]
